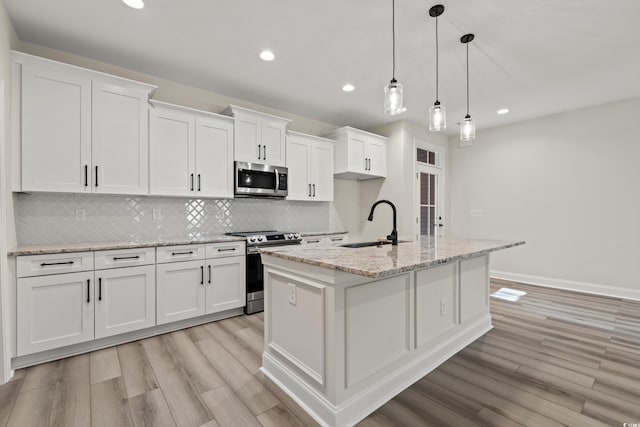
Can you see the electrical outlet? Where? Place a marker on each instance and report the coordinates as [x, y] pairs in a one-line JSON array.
[[292, 294], [443, 307], [81, 214], [157, 213]]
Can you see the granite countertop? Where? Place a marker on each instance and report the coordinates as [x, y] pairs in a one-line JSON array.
[[382, 261], [56, 248]]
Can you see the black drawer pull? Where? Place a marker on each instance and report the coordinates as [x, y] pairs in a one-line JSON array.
[[226, 250], [88, 291], [313, 241], [191, 182], [202, 275], [117, 258], [100, 289], [96, 176], [209, 267], [44, 264], [86, 175], [182, 253], [339, 239]]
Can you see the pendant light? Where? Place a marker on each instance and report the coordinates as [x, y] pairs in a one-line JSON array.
[[467, 127], [393, 91], [437, 112]]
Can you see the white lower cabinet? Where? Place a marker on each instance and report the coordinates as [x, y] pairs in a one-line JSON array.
[[180, 290], [54, 311], [194, 288], [125, 300]]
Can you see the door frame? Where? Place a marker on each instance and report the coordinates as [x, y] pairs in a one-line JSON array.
[[5, 359], [438, 170]]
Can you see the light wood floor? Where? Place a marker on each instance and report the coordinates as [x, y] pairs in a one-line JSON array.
[[553, 358]]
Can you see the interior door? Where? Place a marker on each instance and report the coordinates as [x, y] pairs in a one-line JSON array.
[[429, 215]]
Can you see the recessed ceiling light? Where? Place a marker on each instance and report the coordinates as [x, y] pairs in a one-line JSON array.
[[503, 111], [135, 4], [267, 55], [348, 87]]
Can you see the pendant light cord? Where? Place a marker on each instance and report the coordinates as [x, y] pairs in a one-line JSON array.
[[467, 78], [437, 67], [393, 31]]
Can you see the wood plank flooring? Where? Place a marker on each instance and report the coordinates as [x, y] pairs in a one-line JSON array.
[[553, 358]]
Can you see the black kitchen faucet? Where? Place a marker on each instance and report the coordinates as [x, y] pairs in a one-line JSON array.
[[394, 233]]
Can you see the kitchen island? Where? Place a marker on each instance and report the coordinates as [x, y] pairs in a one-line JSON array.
[[346, 329]]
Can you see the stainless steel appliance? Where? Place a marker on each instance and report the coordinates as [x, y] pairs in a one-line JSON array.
[[255, 179], [255, 279]]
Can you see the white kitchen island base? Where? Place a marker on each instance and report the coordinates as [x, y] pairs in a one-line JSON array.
[[342, 344]]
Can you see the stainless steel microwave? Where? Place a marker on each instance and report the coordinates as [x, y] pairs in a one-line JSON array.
[[258, 180]]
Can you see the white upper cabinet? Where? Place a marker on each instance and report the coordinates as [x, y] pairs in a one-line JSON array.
[[359, 154], [81, 131], [191, 152], [119, 149], [259, 137], [310, 163]]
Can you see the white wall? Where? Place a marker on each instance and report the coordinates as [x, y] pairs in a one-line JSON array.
[[568, 184], [7, 229]]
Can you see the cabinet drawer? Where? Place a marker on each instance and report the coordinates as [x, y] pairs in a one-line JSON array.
[[222, 250], [124, 258], [180, 253], [39, 265]]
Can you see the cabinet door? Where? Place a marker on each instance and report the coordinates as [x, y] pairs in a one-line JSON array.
[[54, 311], [120, 140], [322, 171], [357, 153], [180, 291], [56, 130], [299, 152], [125, 300], [246, 139], [376, 152], [172, 152], [226, 287], [214, 157], [273, 142]]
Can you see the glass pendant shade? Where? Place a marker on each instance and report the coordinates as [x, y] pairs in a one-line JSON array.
[[393, 98], [437, 117], [467, 129]]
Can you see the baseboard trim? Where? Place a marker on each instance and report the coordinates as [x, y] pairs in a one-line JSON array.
[[569, 285]]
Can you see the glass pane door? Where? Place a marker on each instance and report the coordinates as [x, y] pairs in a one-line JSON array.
[[428, 195]]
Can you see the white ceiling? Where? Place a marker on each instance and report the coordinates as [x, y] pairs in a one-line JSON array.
[[533, 57]]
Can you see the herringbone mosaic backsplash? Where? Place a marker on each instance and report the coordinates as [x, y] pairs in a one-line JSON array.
[[51, 218]]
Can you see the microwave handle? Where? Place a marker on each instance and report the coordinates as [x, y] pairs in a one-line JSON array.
[[277, 180]]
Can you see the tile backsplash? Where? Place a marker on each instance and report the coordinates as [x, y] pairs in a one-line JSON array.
[[52, 218]]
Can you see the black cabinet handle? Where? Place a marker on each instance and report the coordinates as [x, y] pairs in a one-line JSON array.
[[259, 151], [314, 190], [198, 182], [117, 258], [226, 250], [202, 275], [209, 267], [313, 241], [264, 152], [309, 190], [44, 264], [191, 182], [96, 176], [338, 239], [182, 253], [100, 289], [86, 175], [88, 290]]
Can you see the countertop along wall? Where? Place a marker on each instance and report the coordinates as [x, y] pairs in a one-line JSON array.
[[569, 185]]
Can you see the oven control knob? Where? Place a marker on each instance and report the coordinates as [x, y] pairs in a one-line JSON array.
[[260, 238], [289, 236], [296, 235], [252, 238]]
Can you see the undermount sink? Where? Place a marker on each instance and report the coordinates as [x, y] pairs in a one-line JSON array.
[[365, 244]]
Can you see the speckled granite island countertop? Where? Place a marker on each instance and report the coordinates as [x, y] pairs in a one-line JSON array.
[[58, 248], [387, 260]]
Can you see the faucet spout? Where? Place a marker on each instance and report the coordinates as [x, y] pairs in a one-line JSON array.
[[394, 233]]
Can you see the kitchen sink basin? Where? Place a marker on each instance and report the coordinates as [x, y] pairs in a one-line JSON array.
[[365, 244]]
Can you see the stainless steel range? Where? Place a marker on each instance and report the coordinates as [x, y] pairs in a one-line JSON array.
[[255, 281]]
